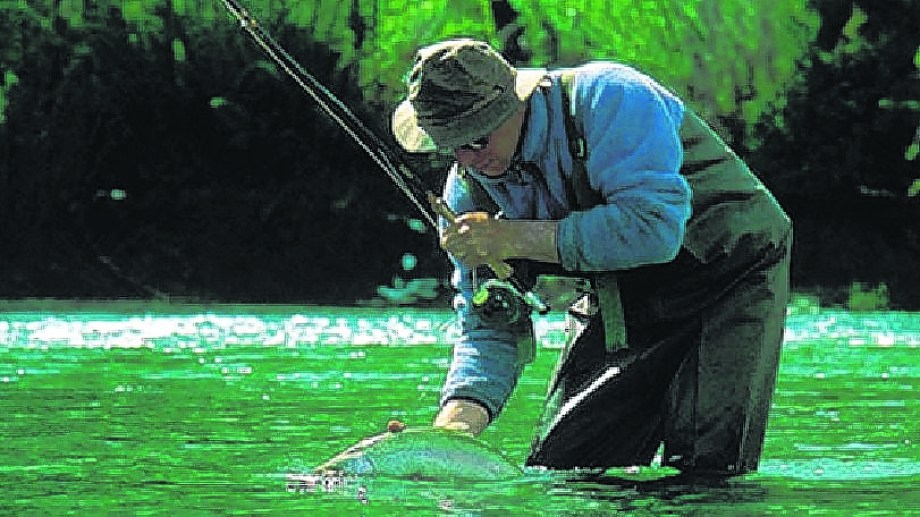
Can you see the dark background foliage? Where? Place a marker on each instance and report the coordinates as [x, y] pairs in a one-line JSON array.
[[837, 157], [235, 188], [178, 163]]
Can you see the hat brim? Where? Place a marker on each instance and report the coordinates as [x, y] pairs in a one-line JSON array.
[[414, 139]]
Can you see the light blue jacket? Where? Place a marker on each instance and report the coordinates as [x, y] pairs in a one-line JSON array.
[[631, 128]]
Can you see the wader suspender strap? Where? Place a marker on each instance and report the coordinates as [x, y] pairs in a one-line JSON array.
[[605, 283]]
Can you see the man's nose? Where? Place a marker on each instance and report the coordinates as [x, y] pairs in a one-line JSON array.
[[466, 157]]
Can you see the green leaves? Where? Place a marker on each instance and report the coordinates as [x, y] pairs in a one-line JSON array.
[[178, 50], [731, 58], [10, 79], [914, 189], [399, 27]]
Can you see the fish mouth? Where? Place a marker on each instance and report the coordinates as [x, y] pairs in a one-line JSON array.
[[325, 481], [333, 475], [308, 482]]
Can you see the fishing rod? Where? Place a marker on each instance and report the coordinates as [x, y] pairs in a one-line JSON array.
[[504, 295], [399, 173]]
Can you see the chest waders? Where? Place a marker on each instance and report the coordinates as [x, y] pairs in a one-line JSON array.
[[705, 330]]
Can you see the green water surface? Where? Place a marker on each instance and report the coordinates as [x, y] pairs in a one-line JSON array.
[[119, 409]]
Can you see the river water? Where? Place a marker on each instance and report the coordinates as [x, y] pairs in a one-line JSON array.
[[136, 409]]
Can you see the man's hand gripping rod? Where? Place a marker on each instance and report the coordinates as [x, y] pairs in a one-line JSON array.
[[501, 269], [505, 282], [398, 172]]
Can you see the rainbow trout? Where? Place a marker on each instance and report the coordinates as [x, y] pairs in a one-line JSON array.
[[420, 454]]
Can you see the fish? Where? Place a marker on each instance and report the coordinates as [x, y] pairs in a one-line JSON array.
[[421, 454]]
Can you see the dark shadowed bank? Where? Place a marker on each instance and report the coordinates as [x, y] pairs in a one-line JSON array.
[[174, 162]]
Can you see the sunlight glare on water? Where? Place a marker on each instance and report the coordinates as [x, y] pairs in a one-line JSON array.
[[319, 326]]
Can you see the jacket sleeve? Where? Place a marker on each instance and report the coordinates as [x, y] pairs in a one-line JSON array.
[[631, 126], [485, 365]]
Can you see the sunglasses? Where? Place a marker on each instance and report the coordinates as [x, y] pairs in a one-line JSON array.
[[476, 145]]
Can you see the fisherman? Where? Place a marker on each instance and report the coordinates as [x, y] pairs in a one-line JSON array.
[[599, 172]]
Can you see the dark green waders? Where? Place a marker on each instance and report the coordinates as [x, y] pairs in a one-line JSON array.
[[703, 333]]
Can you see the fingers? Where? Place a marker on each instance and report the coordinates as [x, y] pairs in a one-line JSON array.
[[463, 415], [467, 238], [472, 238], [475, 239]]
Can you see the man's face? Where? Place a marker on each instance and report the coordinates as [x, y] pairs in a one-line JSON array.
[[492, 154]]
